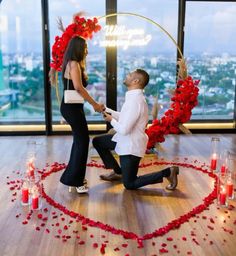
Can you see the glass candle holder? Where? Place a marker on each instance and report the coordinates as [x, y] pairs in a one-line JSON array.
[[215, 144], [35, 197], [30, 158], [222, 197], [231, 179], [25, 192], [224, 162], [30, 168], [230, 188], [31, 148]]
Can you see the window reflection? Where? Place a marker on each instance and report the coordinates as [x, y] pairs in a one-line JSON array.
[[212, 57], [96, 66], [158, 57], [21, 73]]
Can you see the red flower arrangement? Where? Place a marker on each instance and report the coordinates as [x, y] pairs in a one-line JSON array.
[[80, 27], [183, 100]]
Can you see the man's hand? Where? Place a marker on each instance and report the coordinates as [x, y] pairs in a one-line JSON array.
[[107, 117]]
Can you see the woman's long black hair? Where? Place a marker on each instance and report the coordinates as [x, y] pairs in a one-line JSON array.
[[75, 51]]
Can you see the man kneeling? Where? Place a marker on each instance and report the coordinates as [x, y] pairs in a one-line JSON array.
[[130, 140]]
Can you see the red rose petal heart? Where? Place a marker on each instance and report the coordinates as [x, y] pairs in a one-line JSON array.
[[176, 223]]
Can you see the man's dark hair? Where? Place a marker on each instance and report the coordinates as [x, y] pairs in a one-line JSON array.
[[145, 76]]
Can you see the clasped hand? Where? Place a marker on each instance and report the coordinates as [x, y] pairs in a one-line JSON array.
[[107, 116], [99, 107]]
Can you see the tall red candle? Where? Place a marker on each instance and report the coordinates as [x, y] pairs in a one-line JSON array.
[[35, 202], [30, 168], [223, 169], [25, 195], [213, 161], [215, 141], [30, 172], [229, 189], [222, 198]]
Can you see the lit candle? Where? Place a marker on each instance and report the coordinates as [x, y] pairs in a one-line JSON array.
[[230, 189], [30, 172], [213, 161], [223, 169], [30, 168], [35, 202], [222, 197], [25, 195], [35, 197]]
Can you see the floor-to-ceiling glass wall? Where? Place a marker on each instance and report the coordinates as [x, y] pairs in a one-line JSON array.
[[209, 46], [96, 59], [21, 63], [145, 45]]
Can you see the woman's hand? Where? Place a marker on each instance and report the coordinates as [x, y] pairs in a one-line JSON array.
[[98, 107]]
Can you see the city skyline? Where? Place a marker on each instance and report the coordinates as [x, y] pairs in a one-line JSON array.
[[24, 78]]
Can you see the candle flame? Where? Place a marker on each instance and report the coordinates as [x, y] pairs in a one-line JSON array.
[[214, 156], [25, 185], [223, 190]]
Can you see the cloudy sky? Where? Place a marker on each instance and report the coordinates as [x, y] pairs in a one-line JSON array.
[[210, 26]]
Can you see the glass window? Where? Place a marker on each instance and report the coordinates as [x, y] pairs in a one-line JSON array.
[[21, 64], [96, 59], [149, 48], [211, 55]]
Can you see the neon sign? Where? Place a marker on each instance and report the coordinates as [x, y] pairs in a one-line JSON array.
[[120, 36]]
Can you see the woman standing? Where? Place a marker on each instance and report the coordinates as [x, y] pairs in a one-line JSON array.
[[73, 73]]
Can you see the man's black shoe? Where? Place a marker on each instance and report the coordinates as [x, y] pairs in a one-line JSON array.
[[173, 178], [112, 176]]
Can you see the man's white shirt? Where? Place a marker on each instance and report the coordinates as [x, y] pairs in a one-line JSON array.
[[130, 124]]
